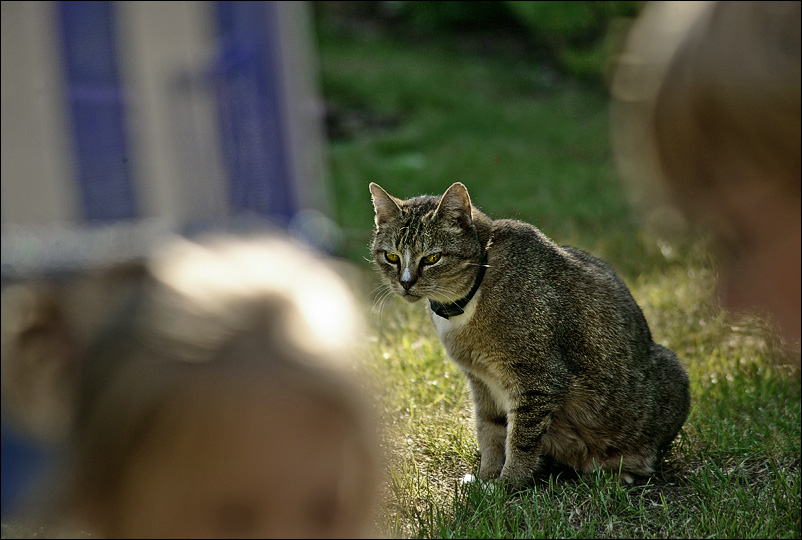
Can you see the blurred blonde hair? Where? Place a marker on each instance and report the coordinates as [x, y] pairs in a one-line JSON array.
[[200, 315]]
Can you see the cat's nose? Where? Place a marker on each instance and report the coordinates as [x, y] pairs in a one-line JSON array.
[[407, 279], [408, 283]]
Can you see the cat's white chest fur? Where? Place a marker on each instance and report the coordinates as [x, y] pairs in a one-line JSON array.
[[445, 327], [448, 331]]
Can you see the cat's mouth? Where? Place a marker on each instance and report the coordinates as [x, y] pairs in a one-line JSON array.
[[409, 296]]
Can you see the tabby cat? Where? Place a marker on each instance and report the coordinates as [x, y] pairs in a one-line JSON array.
[[558, 355]]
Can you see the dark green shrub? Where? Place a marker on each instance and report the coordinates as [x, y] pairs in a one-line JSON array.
[[581, 35], [429, 16]]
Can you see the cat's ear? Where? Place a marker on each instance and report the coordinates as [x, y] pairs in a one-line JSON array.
[[455, 205], [386, 206]]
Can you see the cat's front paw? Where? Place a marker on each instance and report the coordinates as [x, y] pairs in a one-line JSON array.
[[516, 479], [491, 465]]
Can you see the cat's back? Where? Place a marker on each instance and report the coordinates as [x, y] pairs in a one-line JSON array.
[[518, 236], [524, 260], [528, 251], [542, 292], [520, 252]]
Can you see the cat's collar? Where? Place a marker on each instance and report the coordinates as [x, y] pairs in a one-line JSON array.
[[457, 308]]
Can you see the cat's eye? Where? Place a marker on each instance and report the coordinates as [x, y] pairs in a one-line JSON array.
[[431, 259], [391, 257]]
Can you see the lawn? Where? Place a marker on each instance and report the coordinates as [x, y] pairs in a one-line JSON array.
[[416, 115]]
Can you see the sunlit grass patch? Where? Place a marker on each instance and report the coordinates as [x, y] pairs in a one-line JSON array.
[[737, 456]]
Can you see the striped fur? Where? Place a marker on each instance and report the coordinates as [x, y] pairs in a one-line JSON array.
[[559, 357]]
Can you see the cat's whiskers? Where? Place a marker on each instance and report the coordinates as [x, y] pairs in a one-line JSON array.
[[379, 294], [450, 294], [378, 289], [382, 294]]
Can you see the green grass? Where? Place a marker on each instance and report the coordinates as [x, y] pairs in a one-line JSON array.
[[537, 148]]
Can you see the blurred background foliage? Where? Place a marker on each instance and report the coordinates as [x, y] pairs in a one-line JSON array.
[[577, 37], [504, 97], [582, 36]]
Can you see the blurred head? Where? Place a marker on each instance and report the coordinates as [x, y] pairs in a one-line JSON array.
[[235, 453], [218, 400], [722, 110]]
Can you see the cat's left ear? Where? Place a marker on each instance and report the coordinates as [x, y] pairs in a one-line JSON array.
[[386, 205], [456, 205]]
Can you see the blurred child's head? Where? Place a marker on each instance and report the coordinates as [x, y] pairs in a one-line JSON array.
[[219, 401], [722, 109]]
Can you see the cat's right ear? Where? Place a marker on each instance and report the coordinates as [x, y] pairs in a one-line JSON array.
[[386, 206]]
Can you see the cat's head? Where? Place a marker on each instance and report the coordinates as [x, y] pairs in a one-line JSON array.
[[426, 247]]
